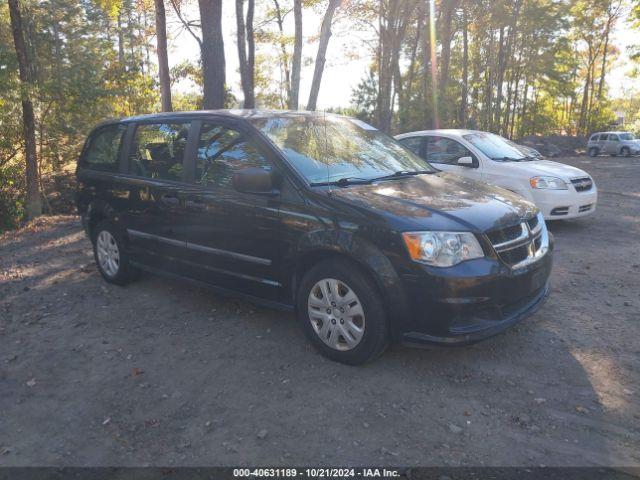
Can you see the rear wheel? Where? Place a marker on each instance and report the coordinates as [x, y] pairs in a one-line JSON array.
[[111, 259], [341, 312], [625, 152], [593, 152]]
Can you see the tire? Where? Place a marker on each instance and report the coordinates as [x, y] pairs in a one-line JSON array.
[[625, 152], [346, 279], [593, 152], [110, 256]]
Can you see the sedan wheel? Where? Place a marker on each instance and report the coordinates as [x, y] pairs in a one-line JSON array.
[[336, 314], [108, 253]]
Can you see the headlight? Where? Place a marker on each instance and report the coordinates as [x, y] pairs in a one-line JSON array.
[[550, 183], [442, 249]]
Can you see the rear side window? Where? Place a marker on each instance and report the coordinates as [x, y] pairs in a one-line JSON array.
[[104, 148], [158, 150], [221, 152]]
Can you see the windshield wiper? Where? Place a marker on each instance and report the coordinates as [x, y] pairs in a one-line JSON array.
[[346, 181], [342, 182], [402, 173]]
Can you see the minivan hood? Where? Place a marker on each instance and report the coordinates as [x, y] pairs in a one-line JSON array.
[[546, 167], [441, 201]]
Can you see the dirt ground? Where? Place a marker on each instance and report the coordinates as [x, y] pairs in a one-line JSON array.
[[162, 373]]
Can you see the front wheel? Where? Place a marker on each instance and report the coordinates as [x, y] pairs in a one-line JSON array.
[[593, 152], [625, 152], [342, 313]]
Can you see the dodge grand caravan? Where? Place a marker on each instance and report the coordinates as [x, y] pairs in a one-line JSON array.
[[319, 214]]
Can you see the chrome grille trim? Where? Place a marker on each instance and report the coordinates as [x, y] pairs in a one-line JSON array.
[[528, 238], [523, 236]]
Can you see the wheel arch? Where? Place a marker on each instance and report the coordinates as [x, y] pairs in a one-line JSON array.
[[96, 213], [365, 256]]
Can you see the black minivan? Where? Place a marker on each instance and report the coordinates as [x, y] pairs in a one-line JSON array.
[[316, 213]]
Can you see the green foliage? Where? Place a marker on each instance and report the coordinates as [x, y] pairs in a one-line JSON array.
[[92, 61], [12, 188]]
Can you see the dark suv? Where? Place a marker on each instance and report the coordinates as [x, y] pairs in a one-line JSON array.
[[320, 214]]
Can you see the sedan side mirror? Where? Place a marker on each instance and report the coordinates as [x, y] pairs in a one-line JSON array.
[[465, 162], [253, 180]]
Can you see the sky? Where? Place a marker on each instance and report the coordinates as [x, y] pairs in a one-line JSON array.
[[342, 73], [348, 56]]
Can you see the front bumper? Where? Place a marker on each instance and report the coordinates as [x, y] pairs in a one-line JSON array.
[[565, 204], [472, 301]]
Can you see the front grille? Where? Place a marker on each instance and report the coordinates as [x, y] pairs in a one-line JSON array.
[[515, 255], [518, 245], [505, 234], [582, 184], [585, 208]]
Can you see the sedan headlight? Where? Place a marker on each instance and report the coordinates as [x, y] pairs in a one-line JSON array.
[[442, 249], [549, 183]]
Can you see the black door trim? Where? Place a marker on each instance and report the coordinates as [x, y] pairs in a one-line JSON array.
[[197, 247]]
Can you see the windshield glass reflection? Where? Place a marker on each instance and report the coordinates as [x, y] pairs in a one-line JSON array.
[[496, 147], [326, 148]]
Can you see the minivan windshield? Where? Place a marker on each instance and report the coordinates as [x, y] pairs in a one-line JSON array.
[[497, 148], [627, 136], [331, 148]]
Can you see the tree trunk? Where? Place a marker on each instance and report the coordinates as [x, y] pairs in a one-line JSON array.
[[245, 41], [284, 57], [296, 63], [120, 41], [163, 60], [603, 69], [445, 55], [465, 69], [585, 102], [325, 34], [212, 54], [495, 118], [34, 201], [250, 99]]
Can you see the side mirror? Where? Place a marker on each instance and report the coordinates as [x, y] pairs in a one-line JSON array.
[[253, 180], [465, 162]]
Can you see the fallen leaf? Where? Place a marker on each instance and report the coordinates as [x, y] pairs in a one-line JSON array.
[[135, 371], [581, 409]]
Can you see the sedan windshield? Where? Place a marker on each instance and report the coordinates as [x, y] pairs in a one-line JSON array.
[[627, 136], [496, 147], [330, 148]]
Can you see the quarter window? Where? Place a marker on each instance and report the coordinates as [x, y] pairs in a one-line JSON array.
[[221, 152], [104, 148], [445, 150], [158, 150]]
